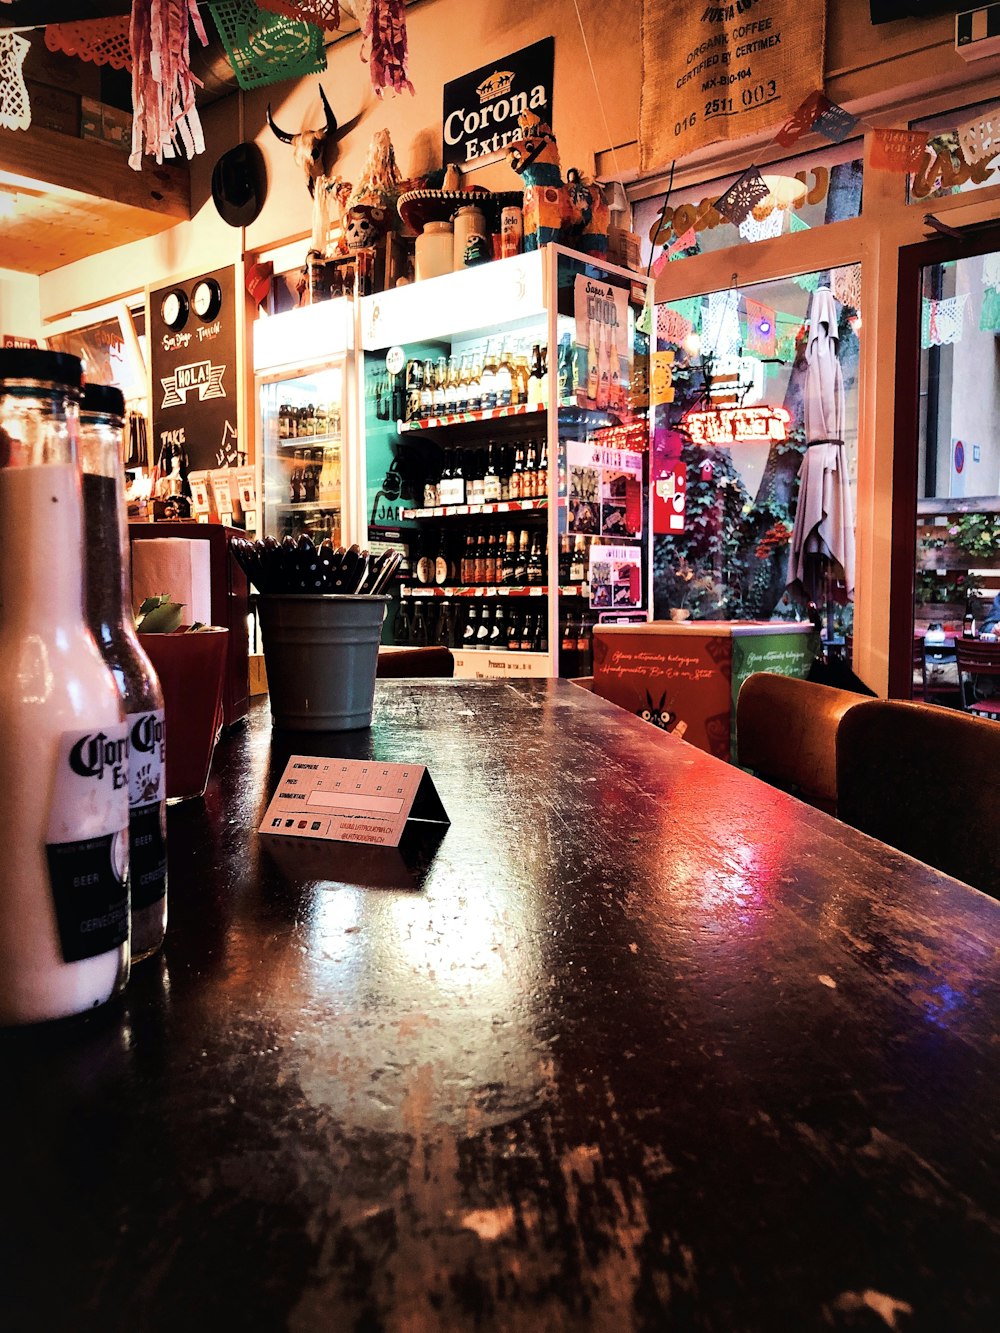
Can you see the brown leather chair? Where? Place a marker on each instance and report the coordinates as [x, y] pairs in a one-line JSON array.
[[397, 662], [979, 676], [926, 780], [786, 732]]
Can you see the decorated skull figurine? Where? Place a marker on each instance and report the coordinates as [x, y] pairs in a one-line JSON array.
[[365, 224]]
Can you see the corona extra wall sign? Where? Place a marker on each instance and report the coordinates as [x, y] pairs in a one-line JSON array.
[[735, 425], [481, 108]]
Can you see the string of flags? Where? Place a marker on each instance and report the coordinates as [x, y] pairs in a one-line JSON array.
[[266, 41], [893, 150]]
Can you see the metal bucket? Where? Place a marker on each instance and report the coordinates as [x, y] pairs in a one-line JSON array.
[[320, 652]]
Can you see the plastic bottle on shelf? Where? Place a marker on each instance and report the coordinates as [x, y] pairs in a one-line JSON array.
[[64, 927], [109, 614]]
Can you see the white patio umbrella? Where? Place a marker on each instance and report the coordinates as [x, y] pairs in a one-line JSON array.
[[823, 536]]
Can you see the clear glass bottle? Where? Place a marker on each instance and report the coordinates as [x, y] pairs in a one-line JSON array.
[[109, 614], [64, 928]]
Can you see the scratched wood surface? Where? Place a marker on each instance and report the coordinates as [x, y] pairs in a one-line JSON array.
[[636, 1043]]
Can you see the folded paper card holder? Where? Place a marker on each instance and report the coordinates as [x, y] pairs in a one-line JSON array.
[[351, 800]]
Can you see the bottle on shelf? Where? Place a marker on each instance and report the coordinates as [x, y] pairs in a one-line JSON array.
[[432, 486], [402, 626], [475, 490], [578, 564], [498, 628], [584, 643], [483, 629], [536, 563], [467, 569], [509, 559], [414, 389], [452, 394], [459, 479], [529, 477], [471, 630], [522, 380], [64, 929], [505, 461], [565, 558], [504, 379], [488, 382], [535, 392], [419, 635], [476, 385], [464, 391], [427, 391], [295, 486], [492, 489], [542, 470], [424, 571], [441, 387], [479, 576], [517, 473], [442, 565], [521, 564], [444, 629], [567, 646]]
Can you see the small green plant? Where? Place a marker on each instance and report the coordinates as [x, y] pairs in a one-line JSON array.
[[977, 534], [159, 615]]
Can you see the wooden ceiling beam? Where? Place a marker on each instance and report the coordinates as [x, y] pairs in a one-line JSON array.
[[97, 169]]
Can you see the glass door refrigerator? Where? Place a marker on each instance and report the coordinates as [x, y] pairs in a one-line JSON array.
[[507, 441], [306, 436]]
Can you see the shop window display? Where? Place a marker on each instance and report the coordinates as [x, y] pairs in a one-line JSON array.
[[957, 550], [763, 427]]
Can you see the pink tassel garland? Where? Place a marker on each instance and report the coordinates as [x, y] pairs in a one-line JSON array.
[[385, 29], [163, 87]]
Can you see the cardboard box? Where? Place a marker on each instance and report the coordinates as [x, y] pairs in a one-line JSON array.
[[54, 108]]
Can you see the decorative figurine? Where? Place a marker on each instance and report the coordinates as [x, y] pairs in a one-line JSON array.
[[554, 210], [371, 208]]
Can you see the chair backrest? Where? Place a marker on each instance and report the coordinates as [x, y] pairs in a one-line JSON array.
[[786, 733], [926, 780], [397, 662], [978, 657]]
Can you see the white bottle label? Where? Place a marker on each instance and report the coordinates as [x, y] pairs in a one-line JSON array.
[[87, 844], [147, 811]]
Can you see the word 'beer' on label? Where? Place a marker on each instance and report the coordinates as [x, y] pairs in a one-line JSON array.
[[87, 845]]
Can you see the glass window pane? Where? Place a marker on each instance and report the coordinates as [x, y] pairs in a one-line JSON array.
[[963, 153], [764, 425], [809, 191], [957, 576]]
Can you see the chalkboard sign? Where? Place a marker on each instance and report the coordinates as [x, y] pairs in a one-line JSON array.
[[195, 380]]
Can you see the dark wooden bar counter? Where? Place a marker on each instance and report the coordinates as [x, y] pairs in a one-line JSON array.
[[637, 1042]]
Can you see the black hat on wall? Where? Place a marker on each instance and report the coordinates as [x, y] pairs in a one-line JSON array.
[[239, 184]]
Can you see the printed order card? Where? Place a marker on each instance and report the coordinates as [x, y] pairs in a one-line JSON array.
[[351, 800]]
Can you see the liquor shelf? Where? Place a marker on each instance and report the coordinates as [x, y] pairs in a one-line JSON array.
[[464, 511], [467, 418], [492, 590]]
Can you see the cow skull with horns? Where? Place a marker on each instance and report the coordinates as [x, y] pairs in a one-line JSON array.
[[310, 150]]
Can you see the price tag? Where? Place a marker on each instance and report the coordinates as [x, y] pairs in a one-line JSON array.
[[351, 800]]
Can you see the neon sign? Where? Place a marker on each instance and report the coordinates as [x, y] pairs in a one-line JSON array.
[[732, 425]]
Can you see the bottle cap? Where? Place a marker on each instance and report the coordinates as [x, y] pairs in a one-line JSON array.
[[37, 363], [103, 398]]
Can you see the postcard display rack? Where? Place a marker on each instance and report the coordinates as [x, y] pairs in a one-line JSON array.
[[303, 367], [507, 443]]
